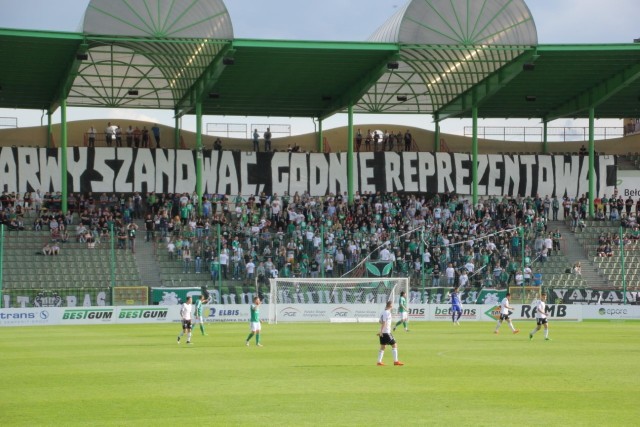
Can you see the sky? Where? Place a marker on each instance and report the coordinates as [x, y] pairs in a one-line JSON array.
[[557, 22]]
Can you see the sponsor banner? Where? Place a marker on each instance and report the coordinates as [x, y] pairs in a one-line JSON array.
[[554, 311], [628, 184], [88, 316], [328, 312], [591, 296], [29, 316], [142, 313], [611, 312], [230, 312], [126, 170], [524, 311], [441, 312], [300, 313]]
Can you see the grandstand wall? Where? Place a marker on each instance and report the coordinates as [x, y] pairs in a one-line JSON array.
[[336, 138]]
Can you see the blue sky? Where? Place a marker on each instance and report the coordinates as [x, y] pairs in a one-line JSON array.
[[557, 21]]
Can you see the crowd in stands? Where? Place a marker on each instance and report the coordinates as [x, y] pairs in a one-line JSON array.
[[303, 236], [442, 237]]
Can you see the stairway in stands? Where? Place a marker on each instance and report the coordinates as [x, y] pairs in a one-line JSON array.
[[145, 258], [576, 253]]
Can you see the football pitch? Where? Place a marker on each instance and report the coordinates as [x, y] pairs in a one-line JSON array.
[[321, 374]]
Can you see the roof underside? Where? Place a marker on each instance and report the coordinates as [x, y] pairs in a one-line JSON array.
[[295, 79], [35, 65], [565, 81]]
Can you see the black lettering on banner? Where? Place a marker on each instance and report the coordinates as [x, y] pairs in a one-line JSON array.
[[123, 170]]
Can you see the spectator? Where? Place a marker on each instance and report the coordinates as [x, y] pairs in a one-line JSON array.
[[214, 269], [155, 130], [267, 140], [367, 140], [186, 260], [256, 140], [118, 135], [91, 135], [108, 133], [132, 229], [577, 269], [358, 140], [145, 137], [137, 136], [171, 249], [149, 226], [408, 140], [46, 250]]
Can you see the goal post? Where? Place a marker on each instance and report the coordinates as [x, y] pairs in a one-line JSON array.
[[358, 291]]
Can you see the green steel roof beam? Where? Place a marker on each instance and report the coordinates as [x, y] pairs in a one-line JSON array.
[[596, 95], [486, 88], [359, 88], [203, 84]]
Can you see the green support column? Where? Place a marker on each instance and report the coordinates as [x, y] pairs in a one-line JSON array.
[[218, 234], [350, 155], [112, 248], [320, 142], [436, 145], [322, 255], [623, 267], [1, 256], [199, 154], [422, 267], [474, 156], [545, 141], [176, 133], [522, 247], [49, 129], [63, 147], [592, 149]]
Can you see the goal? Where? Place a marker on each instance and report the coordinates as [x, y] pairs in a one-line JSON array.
[[358, 291]]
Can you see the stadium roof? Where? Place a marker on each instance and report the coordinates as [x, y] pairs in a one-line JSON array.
[[436, 57]]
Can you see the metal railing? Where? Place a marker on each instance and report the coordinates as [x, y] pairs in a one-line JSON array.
[[8, 122], [536, 134], [227, 130]]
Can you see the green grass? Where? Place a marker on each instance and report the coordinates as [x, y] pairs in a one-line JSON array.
[[321, 374]]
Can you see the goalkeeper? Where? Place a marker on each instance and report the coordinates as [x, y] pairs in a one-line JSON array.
[[403, 311]]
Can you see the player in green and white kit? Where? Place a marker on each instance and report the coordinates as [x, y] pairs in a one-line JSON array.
[[254, 322], [199, 309], [403, 311]]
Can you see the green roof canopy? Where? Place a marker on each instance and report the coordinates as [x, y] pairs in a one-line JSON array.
[[436, 57]]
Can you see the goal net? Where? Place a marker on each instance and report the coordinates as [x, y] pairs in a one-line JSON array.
[[524, 294], [358, 291]]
